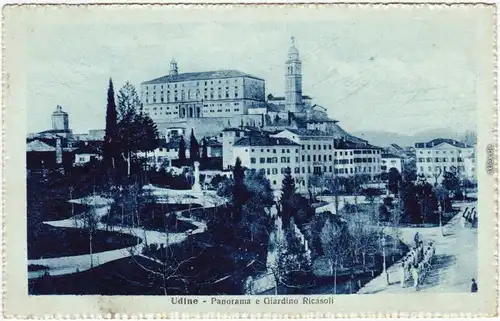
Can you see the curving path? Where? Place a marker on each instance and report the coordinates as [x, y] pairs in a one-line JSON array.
[[454, 265], [78, 263]]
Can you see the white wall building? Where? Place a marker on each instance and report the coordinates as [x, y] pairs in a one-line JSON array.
[[389, 161], [271, 154], [316, 154], [437, 156], [221, 93]]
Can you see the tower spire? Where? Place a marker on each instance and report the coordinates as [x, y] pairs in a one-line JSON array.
[[174, 69], [293, 80]]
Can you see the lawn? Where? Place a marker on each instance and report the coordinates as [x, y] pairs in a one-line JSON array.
[[153, 217], [48, 242]]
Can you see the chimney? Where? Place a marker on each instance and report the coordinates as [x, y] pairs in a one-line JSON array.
[[59, 155]]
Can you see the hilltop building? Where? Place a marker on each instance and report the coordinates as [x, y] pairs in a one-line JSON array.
[[210, 101]]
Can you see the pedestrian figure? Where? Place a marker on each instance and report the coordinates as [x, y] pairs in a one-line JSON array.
[[403, 273], [416, 238], [473, 287], [415, 276]]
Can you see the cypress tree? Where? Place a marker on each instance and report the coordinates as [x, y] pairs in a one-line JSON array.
[[194, 148], [182, 151], [239, 190], [111, 126], [288, 196], [204, 153]]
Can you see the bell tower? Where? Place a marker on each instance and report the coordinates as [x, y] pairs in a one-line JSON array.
[[174, 69], [293, 80]]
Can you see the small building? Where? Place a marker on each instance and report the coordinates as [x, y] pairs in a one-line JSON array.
[[389, 161], [40, 155], [86, 154]]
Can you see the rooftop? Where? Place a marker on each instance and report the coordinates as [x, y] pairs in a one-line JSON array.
[[271, 97], [307, 132], [204, 75], [39, 146], [346, 144], [388, 155], [439, 141], [264, 141]]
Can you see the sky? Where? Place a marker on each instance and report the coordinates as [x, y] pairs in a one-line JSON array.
[[400, 71]]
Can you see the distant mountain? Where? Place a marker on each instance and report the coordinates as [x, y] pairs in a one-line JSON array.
[[384, 139]]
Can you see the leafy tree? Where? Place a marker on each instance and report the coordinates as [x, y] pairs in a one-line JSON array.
[[409, 173], [393, 180], [182, 151], [410, 202], [135, 131], [451, 182], [293, 261], [110, 139], [194, 148], [128, 101]]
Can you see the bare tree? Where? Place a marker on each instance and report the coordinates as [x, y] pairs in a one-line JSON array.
[[289, 258], [332, 183], [335, 243], [470, 138], [90, 223], [436, 174], [363, 231]]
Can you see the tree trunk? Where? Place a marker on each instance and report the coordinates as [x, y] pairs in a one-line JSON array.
[[128, 164], [90, 247], [364, 260], [335, 279]]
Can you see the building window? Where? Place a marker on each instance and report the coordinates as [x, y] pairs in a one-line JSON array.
[[330, 158], [252, 160], [262, 160]]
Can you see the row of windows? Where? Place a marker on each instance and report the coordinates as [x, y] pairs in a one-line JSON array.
[[441, 151], [365, 160], [182, 98], [439, 168], [365, 151], [318, 146], [283, 150], [324, 169], [197, 83], [437, 159], [271, 160], [225, 104]]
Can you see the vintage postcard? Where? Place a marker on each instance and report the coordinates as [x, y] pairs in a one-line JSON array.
[[249, 160]]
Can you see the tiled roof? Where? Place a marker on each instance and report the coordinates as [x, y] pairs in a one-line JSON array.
[[213, 143], [200, 76], [264, 141], [39, 146], [307, 132], [388, 155], [439, 141], [345, 144]]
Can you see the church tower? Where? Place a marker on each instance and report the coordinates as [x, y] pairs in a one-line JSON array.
[[293, 78], [60, 120], [174, 69]]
